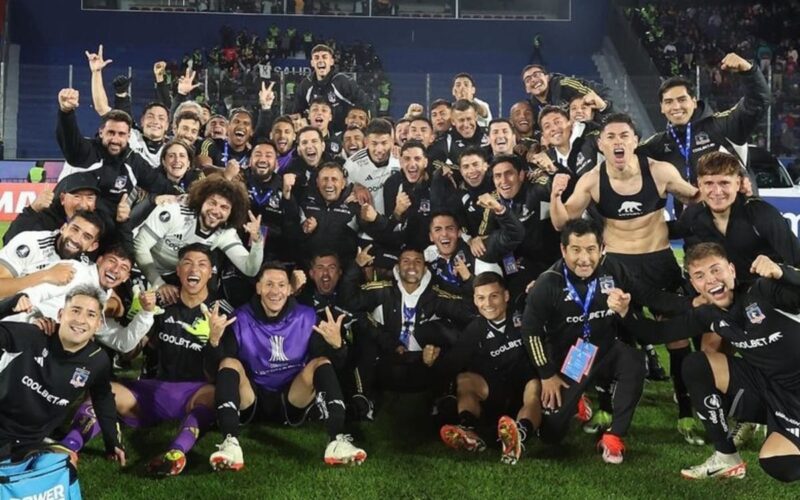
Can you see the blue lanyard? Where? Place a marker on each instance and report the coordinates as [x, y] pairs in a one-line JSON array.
[[584, 304], [448, 273], [262, 199], [684, 149], [408, 322], [225, 154]]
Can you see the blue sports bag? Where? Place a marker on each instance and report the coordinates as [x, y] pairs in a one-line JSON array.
[[40, 476]]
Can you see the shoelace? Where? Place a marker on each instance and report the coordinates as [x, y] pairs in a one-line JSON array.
[[346, 438]]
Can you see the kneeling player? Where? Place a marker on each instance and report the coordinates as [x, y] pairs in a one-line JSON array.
[[180, 389], [763, 385], [573, 338], [497, 375], [275, 367]]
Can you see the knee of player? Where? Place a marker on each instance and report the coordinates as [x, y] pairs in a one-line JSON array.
[[232, 363], [784, 468], [533, 388], [317, 362], [467, 382]]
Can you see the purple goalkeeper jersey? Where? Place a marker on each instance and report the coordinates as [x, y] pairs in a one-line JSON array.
[[273, 352]]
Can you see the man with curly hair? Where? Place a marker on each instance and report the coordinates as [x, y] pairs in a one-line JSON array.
[[214, 209]]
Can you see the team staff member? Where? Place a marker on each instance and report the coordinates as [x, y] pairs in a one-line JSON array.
[[746, 227], [629, 191], [46, 374], [566, 311], [494, 374], [555, 89], [760, 386], [693, 129], [463, 133]]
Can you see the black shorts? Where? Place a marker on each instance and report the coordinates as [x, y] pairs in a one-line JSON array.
[[272, 406], [506, 390], [753, 398], [657, 270]]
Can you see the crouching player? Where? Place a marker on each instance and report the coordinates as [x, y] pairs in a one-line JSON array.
[[275, 367], [494, 374], [180, 389], [574, 339], [763, 385]]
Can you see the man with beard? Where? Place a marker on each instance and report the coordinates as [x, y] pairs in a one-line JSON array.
[[412, 314], [340, 91], [501, 138], [180, 389], [214, 209], [277, 363], [450, 258], [283, 136], [464, 89], [24, 259], [236, 145], [629, 191], [459, 191], [353, 141], [370, 168], [119, 170], [758, 385], [154, 121], [186, 126], [464, 133], [421, 129], [268, 194], [36, 399], [329, 215], [694, 129], [76, 192], [440, 116], [556, 89], [310, 155]]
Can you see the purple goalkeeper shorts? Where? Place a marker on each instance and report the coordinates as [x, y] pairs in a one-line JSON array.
[[158, 400]]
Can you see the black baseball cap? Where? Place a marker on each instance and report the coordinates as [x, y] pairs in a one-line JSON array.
[[77, 182]]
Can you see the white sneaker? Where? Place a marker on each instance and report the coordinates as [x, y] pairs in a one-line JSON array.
[[718, 465], [229, 456], [341, 451]]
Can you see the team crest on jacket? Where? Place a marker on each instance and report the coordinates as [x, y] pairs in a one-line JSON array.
[[120, 182], [754, 314], [701, 139], [79, 378]]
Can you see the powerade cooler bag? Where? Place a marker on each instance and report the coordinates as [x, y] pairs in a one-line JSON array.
[[46, 476]]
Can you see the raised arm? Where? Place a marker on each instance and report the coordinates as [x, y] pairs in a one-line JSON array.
[[574, 207]]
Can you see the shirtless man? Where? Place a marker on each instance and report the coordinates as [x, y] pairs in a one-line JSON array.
[[630, 192]]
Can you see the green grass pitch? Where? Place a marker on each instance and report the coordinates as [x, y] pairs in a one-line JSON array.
[[407, 460]]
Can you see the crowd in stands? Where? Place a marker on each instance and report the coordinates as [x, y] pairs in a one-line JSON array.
[[235, 68], [680, 38], [274, 266]]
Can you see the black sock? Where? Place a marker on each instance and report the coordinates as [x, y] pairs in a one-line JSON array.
[[329, 399], [526, 427], [785, 468], [707, 401], [467, 419], [676, 357], [226, 398]]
